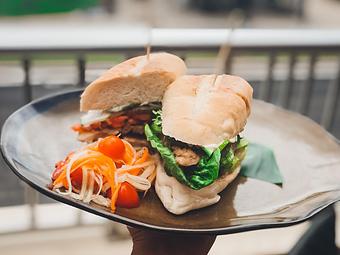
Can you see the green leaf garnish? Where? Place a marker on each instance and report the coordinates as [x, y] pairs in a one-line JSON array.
[[260, 163], [206, 171], [156, 124]]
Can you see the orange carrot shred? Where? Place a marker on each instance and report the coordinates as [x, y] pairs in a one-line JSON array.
[[114, 197], [103, 166]]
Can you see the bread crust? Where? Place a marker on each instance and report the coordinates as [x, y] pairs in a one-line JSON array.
[[136, 80], [179, 199], [206, 109]]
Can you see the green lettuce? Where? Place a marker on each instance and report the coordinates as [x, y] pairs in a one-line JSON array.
[[206, 171], [231, 158], [156, 124], [168, 157]]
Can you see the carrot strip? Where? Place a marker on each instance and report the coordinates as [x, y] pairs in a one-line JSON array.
[[95, 158], [130, 153], [104, 167], [65, 183], [142, 159], [114, 197]]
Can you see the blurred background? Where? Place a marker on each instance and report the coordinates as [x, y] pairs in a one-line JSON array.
[[288, 49]]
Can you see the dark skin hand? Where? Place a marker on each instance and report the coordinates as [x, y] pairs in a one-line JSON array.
[[153, 242]]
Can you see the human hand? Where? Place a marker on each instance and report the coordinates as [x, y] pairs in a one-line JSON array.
[[153, 242]]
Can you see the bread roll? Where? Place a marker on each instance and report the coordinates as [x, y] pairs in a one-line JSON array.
[[136, 80], [178, 198], [206, 109]]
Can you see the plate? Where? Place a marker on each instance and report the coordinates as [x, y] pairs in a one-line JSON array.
[[38, 135]]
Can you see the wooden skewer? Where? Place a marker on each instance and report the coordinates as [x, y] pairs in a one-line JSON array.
[[215, 78], [235, 19], [148, 45], [222, 57], [148, 49]]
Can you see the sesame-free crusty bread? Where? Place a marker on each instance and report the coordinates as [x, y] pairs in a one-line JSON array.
[[206, 109], [178, 198], [136, 80]]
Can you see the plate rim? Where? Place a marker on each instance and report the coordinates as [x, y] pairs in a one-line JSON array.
[[135, 223]]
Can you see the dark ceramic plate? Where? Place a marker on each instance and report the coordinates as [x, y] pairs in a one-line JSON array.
[[38, 135]]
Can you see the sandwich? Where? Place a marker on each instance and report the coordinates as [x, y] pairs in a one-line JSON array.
[[197, 135], [121, 101], [193, 123], [115, 167]]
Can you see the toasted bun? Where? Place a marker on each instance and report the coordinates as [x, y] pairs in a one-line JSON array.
[[206, 109], [178, 198], [136, 80]]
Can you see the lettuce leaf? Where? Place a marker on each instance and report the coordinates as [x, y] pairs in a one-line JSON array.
[[168, 157], [156, 124], [260, 163], [228, 160], [231, 155], [206, 172]]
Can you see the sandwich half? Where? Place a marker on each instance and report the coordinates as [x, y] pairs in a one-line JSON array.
[[197, 134], [122, 99]]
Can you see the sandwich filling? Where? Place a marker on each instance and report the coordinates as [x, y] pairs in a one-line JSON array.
[[127, 120], [192, 165]]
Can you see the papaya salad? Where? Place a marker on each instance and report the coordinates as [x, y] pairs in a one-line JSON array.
[[109, 172]]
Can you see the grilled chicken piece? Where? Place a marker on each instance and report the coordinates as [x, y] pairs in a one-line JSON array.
[[185, 156]]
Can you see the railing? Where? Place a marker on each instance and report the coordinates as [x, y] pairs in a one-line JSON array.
[[268, 46], [269, 43]]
